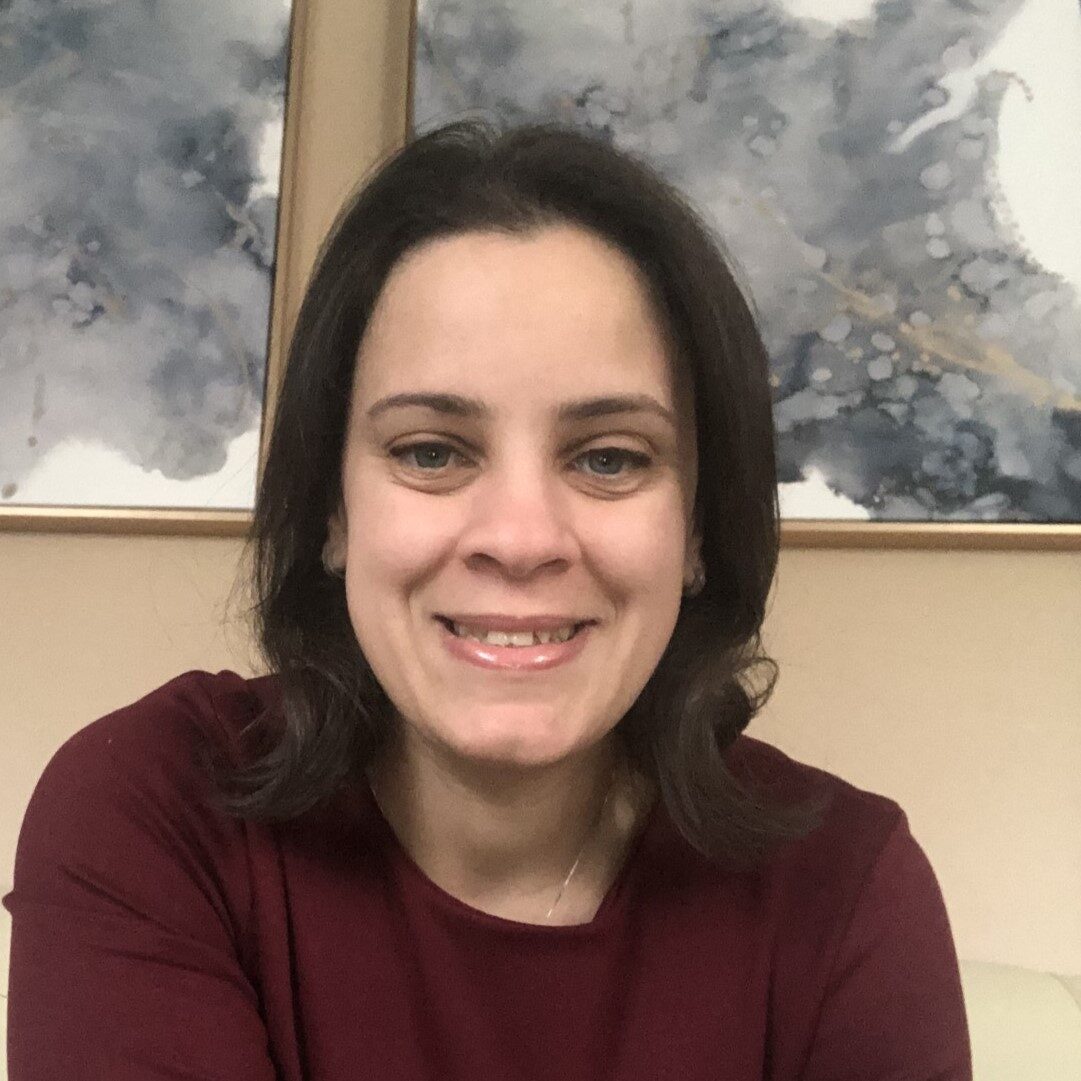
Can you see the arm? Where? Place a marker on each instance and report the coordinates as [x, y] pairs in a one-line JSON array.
[[124, 956], [893, 1010]]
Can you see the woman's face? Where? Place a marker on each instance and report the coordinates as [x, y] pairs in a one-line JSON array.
[[518, 468]]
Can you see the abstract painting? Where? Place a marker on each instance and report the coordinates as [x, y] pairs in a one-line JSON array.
[[140, 150], [896, 183]]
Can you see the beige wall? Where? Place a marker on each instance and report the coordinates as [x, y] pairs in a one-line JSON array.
[[949, 681]]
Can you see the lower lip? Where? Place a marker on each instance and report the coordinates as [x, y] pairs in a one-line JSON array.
[[515, 658]]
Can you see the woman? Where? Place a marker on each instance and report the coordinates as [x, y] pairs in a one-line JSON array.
[[492, 816]]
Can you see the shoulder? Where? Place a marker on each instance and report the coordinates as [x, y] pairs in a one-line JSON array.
[[854, 824], [860, 861], [809, 885], [170, 729], [139, 776], [124, 864], [863, 967], [130, 792], [813, 884]]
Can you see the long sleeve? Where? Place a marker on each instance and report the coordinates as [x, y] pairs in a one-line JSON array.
[[125, 953], [894, 1009]]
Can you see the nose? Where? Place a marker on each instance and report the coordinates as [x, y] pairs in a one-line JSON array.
[[519, 524]]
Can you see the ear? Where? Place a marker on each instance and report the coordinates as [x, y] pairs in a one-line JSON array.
[[334, 548], [693, 569]]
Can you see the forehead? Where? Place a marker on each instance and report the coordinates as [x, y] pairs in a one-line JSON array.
[[557, 312]]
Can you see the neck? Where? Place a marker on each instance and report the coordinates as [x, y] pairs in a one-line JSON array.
[[503, 839]]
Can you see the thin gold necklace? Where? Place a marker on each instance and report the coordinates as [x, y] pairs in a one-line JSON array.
[[581, 851]]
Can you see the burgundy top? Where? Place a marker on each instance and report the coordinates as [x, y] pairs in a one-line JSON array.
[[154, 939]]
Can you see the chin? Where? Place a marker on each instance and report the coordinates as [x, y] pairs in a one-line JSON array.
[[516, 742]]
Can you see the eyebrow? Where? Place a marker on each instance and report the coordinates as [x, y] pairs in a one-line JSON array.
[[587, 408]]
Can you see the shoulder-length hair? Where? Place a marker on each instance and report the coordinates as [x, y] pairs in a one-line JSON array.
[[713, 676]]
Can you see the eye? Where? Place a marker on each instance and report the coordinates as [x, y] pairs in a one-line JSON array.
[[615, 462], [427, 457]]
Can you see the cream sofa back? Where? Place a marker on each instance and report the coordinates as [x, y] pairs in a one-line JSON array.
[[1025, 1025]]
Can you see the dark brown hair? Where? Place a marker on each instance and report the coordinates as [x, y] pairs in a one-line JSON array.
[[713, 676]]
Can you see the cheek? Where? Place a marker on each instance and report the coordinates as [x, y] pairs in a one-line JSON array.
[[394, 536], [640, 547]]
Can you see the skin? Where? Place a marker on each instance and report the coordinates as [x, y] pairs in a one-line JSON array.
[[495, 778]]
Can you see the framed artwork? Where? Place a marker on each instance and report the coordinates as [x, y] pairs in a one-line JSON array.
[[144, 180], [896, 184]]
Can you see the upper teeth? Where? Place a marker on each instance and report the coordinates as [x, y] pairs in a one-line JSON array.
[[514, 638]]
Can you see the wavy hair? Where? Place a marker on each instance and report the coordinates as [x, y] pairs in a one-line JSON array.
[[713, 676]]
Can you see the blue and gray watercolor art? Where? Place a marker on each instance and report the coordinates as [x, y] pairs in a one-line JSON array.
[[895, 181], [139, 155]]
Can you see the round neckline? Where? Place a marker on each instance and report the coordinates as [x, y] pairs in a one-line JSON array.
[[458, 908]]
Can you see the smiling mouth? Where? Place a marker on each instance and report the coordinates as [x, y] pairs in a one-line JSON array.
[[515, 639]]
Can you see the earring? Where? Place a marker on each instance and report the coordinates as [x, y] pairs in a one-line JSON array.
[[329, 566], [697, 582]]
